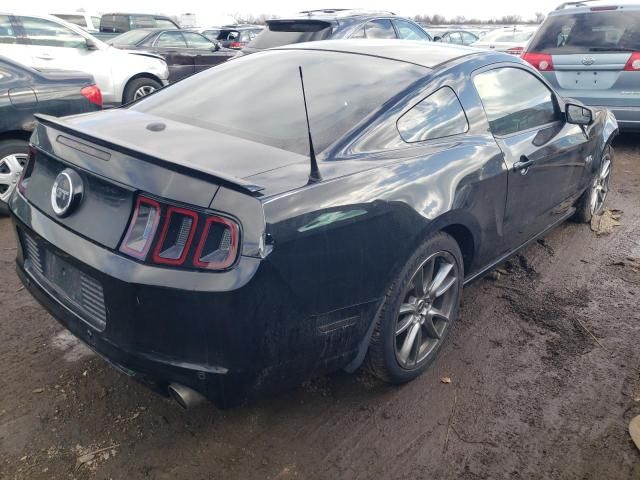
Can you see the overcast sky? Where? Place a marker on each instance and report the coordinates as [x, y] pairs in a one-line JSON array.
[[484, 9]]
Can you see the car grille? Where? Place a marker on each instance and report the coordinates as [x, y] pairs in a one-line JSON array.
[[73, 288]]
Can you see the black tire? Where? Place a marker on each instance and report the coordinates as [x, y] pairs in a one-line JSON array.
[[139, 83], [10, 147], [584, 211], [383, 358]]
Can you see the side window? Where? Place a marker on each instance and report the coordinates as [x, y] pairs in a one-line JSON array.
[[358, 32], [409, 31], [171, 40], [467, 38], [455, 38], [515, 100], [143, 21], [120, 23], [7, 32], [437, 116], [45, 32], [381, 28], [195, 40]]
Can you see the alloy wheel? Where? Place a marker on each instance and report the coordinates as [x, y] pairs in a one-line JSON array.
[[143, 91], [600, 187], [426, 310], [10, 170]]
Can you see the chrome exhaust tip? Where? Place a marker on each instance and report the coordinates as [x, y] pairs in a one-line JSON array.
[[184, 396]]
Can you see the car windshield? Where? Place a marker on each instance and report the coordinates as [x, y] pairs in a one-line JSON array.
[[589, 32], [507, 36], [286, 32], [132, 37], [342, 90]]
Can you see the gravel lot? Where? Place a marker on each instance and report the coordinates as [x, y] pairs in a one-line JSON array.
[[532, 393]]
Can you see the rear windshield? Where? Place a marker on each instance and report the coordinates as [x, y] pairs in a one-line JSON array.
[[589, 32], [132, 37], [342, 90], [281, 33], [507, 36]]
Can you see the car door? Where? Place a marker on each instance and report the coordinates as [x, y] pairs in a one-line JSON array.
[[10, 45], [545, 156], [52, 45], [180, 59], [206, 54]]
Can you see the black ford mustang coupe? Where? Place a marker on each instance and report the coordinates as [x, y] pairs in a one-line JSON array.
[[227, 242]]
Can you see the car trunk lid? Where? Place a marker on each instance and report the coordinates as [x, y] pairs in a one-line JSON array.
[[115, 160], [598, 71]]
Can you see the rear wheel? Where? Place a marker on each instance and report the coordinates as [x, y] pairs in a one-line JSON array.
[[13, 155], [592, 201], [418, 311], [140, 87]]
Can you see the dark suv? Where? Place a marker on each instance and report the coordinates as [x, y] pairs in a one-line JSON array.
[[335, 24]]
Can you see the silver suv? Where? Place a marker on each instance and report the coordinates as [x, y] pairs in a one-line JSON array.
[[590, 51]]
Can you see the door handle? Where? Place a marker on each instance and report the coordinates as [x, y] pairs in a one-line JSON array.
[[522, 166], [45, 56]]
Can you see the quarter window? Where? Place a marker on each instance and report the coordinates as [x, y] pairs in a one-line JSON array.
[[437, 116], [514, 100], [50, 34], [380, 29], [408, 31]]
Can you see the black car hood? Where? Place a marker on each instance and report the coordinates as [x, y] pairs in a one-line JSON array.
[[186, 145]]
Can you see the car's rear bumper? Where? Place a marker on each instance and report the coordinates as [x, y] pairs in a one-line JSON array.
[[231, 338]]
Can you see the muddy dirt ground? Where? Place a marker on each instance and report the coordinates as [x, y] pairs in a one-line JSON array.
[[533, 393]]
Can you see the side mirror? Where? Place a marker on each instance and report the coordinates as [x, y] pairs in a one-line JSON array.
[[578, 115], [216, 46], [91, 45], [437, 39]]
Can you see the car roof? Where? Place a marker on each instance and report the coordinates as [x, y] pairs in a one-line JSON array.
[[570, 8], [138, 14], [338, 13], [430, 55]]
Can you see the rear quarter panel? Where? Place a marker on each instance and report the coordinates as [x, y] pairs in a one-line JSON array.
[[339, 243]]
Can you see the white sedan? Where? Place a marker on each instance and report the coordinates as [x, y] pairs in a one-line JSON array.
[[509, 39], [45, 42]]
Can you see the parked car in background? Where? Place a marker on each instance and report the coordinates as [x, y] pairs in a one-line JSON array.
[[235, 36], [185, 52], [87, 21], [113, 24], [457, 37], [210, 32], [592, 53], [508, 40], [48, 43], [24, 92], [222, 253], [335, 24]]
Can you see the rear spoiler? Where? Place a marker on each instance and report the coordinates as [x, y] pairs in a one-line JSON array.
[[232, 182]]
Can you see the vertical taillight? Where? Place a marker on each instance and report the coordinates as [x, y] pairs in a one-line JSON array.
[[633, 65], [93, 94], [218, 245], [27, 168], [177, 233], [142, 228], [541, 61]]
